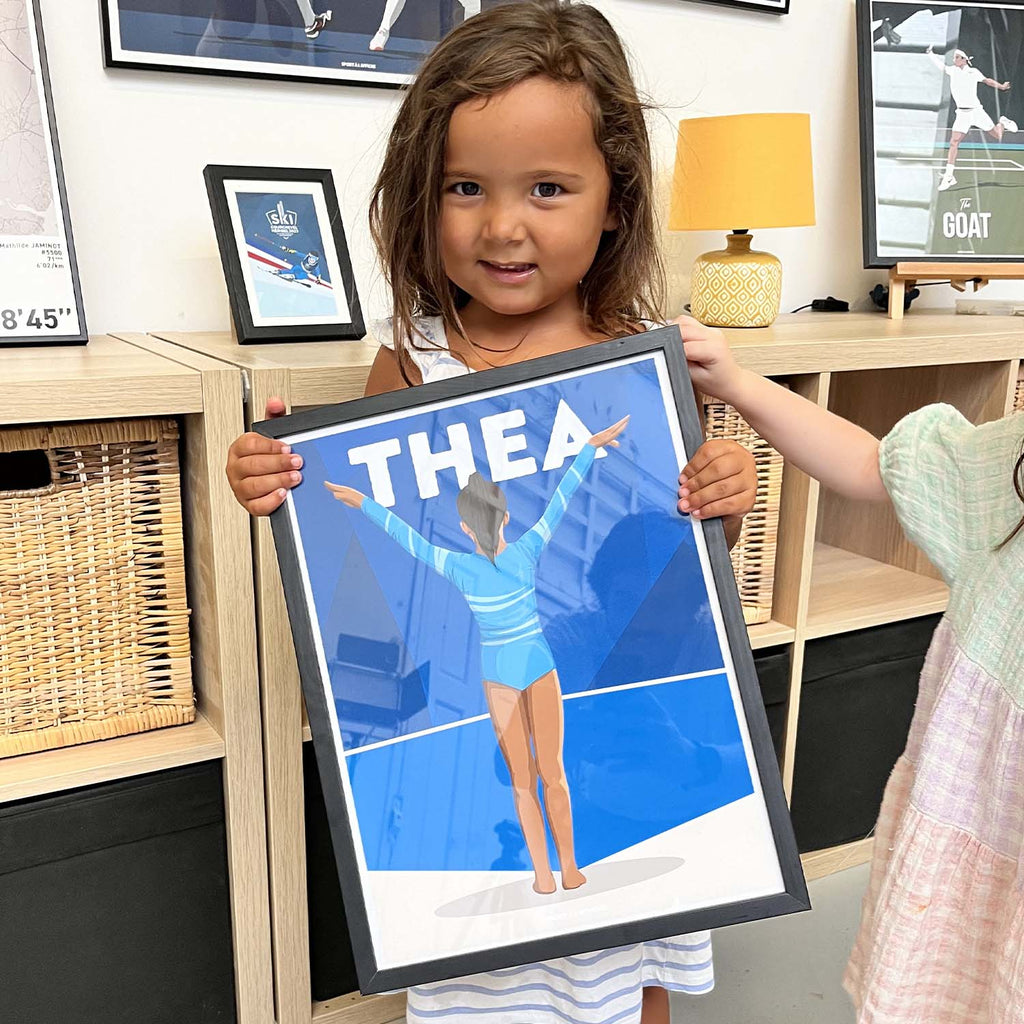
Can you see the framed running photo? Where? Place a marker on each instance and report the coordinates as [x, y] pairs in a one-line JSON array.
[[283, 248], [380, 43], [942, 150], [528, 678], [40, 294]]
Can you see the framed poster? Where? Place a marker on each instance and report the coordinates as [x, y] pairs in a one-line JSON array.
[[40, 294], [284, 254], [378, 43], [772, 6], [942, 150], [528, 678]]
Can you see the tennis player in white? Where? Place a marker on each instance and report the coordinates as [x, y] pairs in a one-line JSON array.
[[963, 84], [393, 8]]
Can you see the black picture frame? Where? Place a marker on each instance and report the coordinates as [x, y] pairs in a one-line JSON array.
[[876, 38], [792, 897], [346, 59], [22, 312], [243, 286], [763, 6]]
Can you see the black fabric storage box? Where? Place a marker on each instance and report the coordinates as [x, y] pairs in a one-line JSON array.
[[114, 904], [332, 969], [857, 700], [772, 668]]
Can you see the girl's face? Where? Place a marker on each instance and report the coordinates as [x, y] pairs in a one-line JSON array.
[[525, 196]]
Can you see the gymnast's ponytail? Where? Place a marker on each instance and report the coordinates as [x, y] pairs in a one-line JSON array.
[[482, 508]]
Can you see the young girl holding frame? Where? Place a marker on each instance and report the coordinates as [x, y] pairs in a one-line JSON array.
[[513, 217]]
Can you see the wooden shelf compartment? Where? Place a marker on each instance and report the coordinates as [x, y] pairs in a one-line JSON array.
[[837, 858], [218, 562], [850, 591], [833, 342], [52, 771], [804, 348], [105, 379], [356, 1009]]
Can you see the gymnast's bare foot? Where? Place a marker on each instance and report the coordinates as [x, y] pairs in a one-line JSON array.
[[544, 884], [572, 878]]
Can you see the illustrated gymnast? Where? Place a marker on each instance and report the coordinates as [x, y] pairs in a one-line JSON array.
[[524, 698]]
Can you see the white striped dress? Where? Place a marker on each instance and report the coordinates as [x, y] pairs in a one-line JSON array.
[[597, 988]]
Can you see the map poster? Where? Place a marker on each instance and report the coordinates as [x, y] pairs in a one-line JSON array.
[[40, 296]]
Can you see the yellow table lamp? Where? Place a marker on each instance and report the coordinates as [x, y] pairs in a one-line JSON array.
[[736, 173]]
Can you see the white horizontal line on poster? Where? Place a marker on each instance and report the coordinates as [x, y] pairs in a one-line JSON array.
[[568, 696]]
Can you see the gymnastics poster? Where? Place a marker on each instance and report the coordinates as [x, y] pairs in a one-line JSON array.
[[525, 704], [942, 130]]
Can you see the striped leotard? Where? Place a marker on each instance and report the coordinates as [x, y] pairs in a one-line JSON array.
[[501, 594]]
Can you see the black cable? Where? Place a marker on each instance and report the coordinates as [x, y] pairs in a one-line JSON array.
[[800, 309]]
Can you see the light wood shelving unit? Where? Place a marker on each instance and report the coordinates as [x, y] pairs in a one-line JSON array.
[[839, 566], [120, 378]]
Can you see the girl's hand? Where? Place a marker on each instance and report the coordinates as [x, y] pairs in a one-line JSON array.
[[719, 481], [346, 495], [606, 438], [712, 367], [260, 469]]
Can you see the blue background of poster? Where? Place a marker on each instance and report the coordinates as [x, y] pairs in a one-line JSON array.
[[621, 599], [275, 295]]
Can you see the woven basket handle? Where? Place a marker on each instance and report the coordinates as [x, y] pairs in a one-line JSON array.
[[27, 473]]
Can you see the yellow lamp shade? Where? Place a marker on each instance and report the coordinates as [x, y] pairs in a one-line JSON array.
[[743, 171]]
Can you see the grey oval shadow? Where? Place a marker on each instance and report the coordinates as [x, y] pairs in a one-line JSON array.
[[601, 878]]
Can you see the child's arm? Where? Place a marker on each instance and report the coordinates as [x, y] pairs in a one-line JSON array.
[[838, 453]]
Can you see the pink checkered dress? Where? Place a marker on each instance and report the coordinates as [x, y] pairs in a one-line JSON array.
[[942, 935]]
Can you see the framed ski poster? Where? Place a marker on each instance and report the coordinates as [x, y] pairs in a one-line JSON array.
[[532, 698], [381, 43], [942, 130], [284, 254], [40, 294]]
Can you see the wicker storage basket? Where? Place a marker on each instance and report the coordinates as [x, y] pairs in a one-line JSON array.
[[1019, 403], [93, 618], [753, 557]]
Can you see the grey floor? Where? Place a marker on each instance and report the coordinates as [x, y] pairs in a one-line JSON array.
[[785, 971]]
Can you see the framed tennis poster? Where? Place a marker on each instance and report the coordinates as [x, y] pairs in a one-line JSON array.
[[380, 43], [40, 294], [771, 6], [528, 679], [284, 254], [942, 146]]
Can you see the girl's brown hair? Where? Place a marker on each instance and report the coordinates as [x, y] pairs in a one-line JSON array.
[[482, 507], [1018, 486], [568, 43]]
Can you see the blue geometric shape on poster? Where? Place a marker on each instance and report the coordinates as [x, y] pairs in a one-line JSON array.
[[621, 636], [639, 762], [594, 580], [384, 695]]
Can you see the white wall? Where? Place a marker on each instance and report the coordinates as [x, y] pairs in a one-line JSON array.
[[134, 145]]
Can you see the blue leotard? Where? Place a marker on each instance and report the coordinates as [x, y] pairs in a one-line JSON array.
[[502, 594]]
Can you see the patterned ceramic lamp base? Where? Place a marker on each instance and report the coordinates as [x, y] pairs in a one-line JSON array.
[[736, 286]]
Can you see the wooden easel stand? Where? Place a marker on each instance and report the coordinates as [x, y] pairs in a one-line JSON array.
[[960, 275]]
